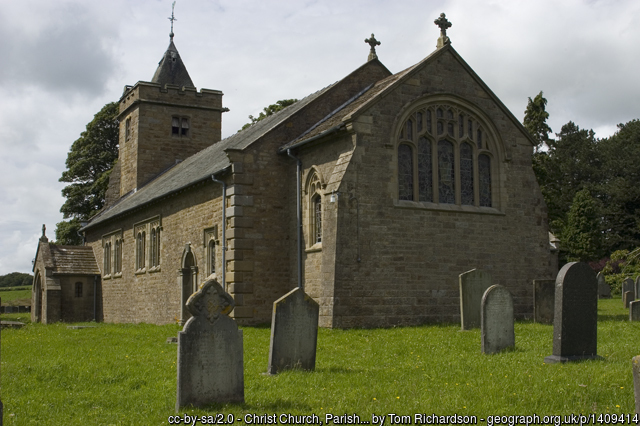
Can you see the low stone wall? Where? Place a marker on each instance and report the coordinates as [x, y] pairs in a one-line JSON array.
[[14, 309]]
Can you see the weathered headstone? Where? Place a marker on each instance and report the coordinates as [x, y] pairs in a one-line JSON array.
[[628, 285], [604, 291], [544, 294], [575, 323], [210, 356], [627, 298], [634, 310], [496, 320], [636, 288], [635, 366], [294, 332], [473, 284]]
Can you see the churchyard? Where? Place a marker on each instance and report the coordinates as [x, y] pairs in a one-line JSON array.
[[123, 374]]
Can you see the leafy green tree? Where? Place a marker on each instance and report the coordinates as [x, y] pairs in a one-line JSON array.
[[89, 164], [582, 235], [535, 120], [270, 110], [15, 279]]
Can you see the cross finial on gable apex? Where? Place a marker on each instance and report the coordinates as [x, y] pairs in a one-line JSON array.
[[172, 18], [373, 43], [443, 23]]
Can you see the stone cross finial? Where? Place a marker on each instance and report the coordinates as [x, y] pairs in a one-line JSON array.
[[172, 19], [443, 23], [210, 302], [44, 230], [373, 43]]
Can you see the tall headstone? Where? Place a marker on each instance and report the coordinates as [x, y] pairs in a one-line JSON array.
[[210, 356], [627, 298], [628, 285], [544, 294], [604, 291], [294, 332], [575, 323], [473, 284], [496, 320], [634, 310], [636, 288], [635, 366]]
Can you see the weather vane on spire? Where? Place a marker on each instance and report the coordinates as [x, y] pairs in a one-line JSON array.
[[172, 19]]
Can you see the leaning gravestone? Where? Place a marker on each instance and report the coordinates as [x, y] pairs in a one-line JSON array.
[[473, 284], [627, 298], [496, 320], [544, 294], [210, 368], [604, 291], [628, 285], [294, 332], [635, 366], [634, 310], [575, 323]]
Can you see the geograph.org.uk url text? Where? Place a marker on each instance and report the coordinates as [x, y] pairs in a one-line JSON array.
[[391, 419]]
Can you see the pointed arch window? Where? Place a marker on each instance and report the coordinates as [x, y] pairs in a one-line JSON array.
[[314, 210]]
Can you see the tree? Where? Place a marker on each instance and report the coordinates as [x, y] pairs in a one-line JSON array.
[[582, 235], [270, 110], [535, 120], [89, 164], [15, 279]]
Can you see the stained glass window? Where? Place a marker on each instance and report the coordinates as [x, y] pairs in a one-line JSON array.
[[446, 177], [409, 129], [484, 174], [429, 120], [461, 126], [466, 174], [450, 114], [479, 139], [440, 127], [439, 113], [405, 172], [419, 122], [425, 174], [470, 129], [450, 129], [317, 203]]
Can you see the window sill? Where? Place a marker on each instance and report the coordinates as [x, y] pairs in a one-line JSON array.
[[118, 275], [314, 248], [421, 205], [154, 269], [106, 277], [141, 271]]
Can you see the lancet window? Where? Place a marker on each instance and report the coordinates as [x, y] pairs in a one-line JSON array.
[[314, 210]]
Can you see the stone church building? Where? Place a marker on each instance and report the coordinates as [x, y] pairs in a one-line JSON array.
[[404, 181]]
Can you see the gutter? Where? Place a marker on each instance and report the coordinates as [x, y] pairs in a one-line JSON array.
[[299, 215]]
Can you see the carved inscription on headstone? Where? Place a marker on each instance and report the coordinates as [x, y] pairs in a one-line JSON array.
[[210, 356], [496, 329], [294, 332], [575, 324], [544, 295], [473, 284]]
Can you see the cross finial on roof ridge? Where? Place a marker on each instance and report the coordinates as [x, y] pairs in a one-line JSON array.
[[443, 23], [172, 18], [373, 43]]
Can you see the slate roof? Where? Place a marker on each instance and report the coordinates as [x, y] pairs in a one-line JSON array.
[[200, 166], [73, 260], [171, 69]]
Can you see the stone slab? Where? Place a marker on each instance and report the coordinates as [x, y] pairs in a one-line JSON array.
[[473, 284], [604, 290], [294, 332], [210, 352], [544, 295], [496, 320], [628, 285], [634, 310], [11, 324], [627, 298], [575, 324]]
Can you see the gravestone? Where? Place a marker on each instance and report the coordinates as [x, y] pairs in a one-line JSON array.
[[634, 310], [294, 332], [628, 285], [8, 309], [210, 368], [627, 298], [544, 295], [496, 320], [636, 288], [604, 291], [575, 322], [473, 284], [635, 366]]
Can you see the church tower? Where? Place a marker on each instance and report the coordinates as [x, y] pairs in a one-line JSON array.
[[164, 121]]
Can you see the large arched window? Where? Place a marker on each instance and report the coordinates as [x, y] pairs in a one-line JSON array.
[[445, 156], [314, 208]]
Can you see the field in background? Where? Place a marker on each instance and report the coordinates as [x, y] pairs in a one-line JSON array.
[[117, 374], [14, 296]]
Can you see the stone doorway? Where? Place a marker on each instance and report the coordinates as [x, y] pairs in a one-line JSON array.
[[37, 299], [187, 279]]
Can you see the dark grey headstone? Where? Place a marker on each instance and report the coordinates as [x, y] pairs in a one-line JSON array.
[[496, 320], [636, 288], [473, 284], [604, 291], [634, 310], [544, 295], [627, 298], [575, 323], [635, 367], [210, 357], [628, 285], [294, 332]]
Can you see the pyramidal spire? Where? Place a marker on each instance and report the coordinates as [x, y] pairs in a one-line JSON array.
[[171, 69]]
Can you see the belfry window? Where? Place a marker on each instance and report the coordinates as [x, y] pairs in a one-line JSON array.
[[446, 162], [127, 128], [180, 126]]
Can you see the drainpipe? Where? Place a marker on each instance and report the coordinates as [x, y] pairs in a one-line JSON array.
[[224, 229], [299, 216]]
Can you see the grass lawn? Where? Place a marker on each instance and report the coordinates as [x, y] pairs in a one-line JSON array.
[[16, 295], [126, 374]]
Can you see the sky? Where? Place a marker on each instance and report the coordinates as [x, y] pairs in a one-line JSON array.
[[64, 60]]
